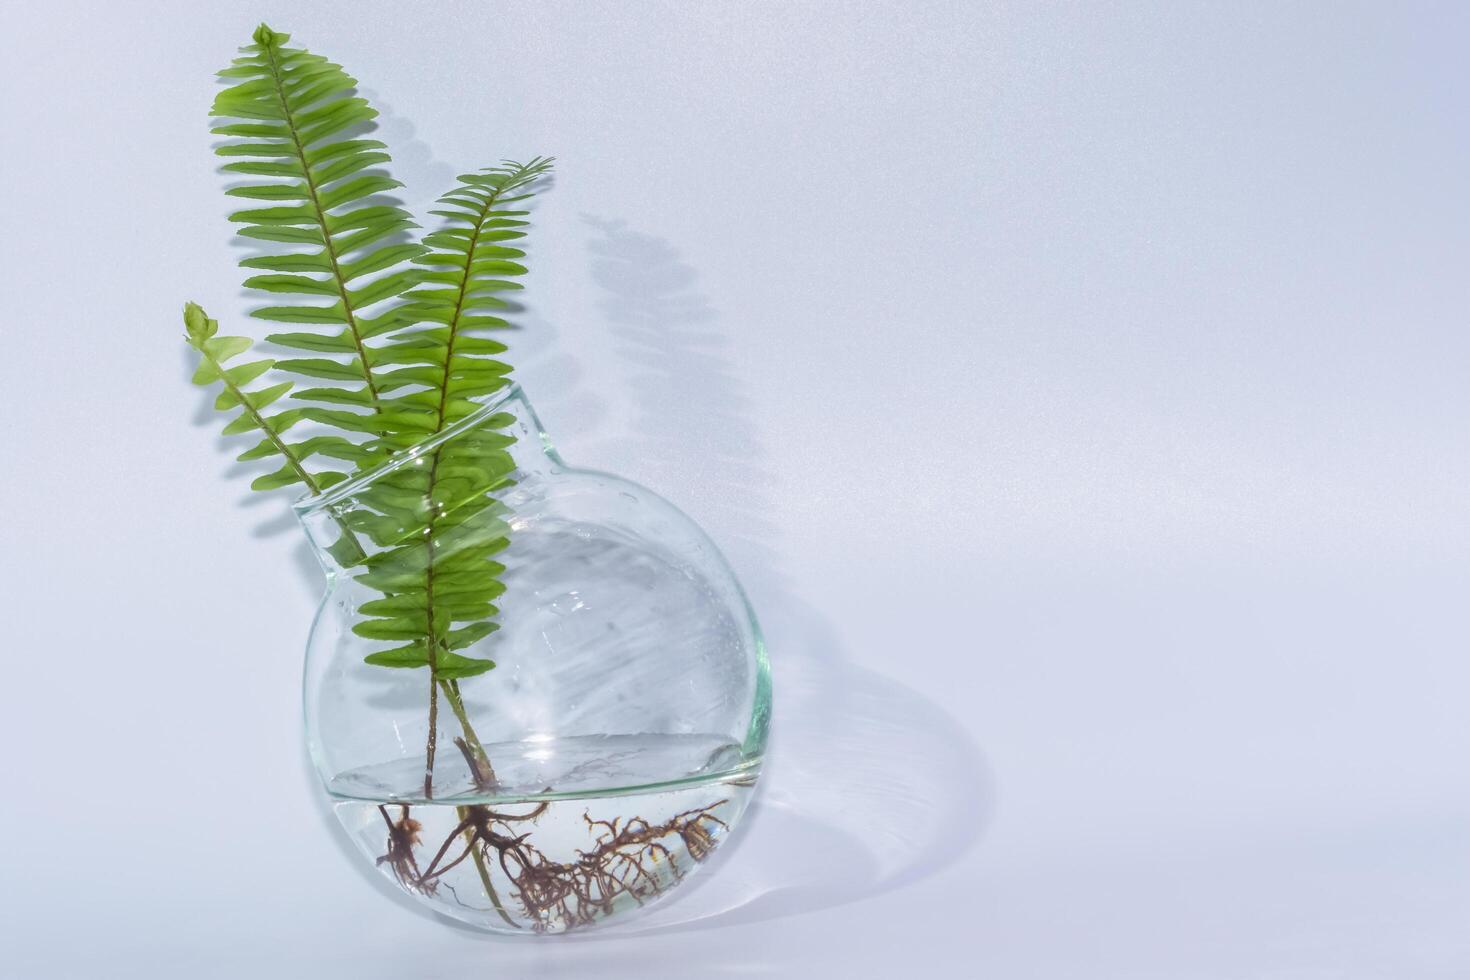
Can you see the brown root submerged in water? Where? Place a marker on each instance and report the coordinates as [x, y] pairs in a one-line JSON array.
[[624, 860]]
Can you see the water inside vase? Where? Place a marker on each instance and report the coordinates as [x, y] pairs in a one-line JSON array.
[[577, 830]]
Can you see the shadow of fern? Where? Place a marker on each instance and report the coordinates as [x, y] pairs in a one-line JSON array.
[[691, 426]]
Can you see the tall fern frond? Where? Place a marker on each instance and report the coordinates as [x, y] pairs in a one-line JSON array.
[[289, 117]]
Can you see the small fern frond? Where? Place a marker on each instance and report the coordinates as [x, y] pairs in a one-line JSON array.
[[289, 116], [202, 333]]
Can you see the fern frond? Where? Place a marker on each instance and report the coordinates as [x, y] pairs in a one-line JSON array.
[[470, 263], [440, 559], [202, 333], [439, 368], [290, 117]]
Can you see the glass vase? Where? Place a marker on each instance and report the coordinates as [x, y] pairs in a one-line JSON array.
[[536, 695]]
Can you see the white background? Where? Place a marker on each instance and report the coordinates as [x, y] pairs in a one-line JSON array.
[[1080, 390]]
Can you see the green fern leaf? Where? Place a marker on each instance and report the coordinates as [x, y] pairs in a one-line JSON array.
[[202, 333], [293, 113]]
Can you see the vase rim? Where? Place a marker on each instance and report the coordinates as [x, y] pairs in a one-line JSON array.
[[309, 504]]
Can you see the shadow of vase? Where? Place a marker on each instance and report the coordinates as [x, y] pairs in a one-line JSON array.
[[868, 786]]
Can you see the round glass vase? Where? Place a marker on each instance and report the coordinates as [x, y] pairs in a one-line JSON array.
[[536, 695]]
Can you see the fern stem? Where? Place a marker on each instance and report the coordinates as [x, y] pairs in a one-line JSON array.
[[451, 690], [431, 642], [479, 758], [433, 732], [331, 251]]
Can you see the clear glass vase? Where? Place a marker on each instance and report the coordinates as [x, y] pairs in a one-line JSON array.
[[536, 695]]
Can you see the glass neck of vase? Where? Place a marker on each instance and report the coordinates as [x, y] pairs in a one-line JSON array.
[[457, 469]]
